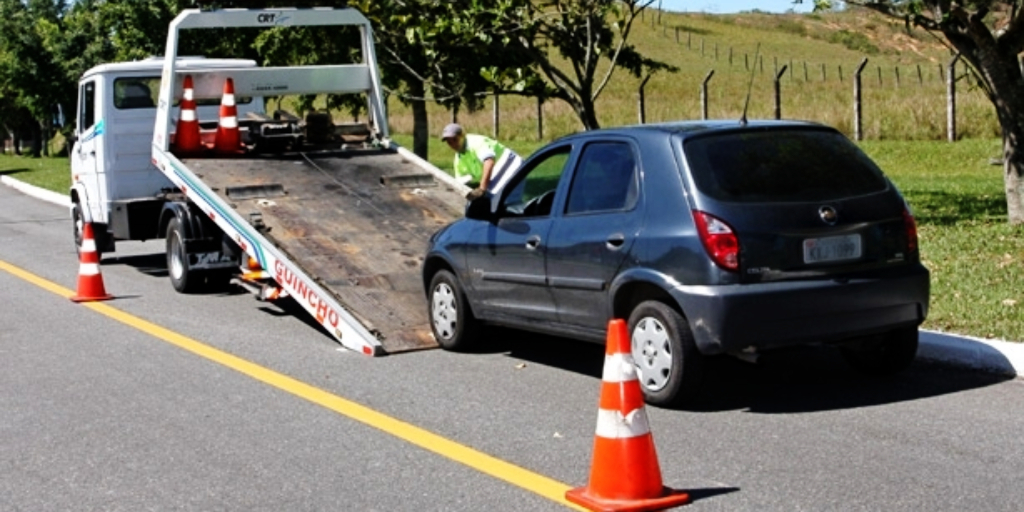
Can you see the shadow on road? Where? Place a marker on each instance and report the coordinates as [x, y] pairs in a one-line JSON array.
[[155, 265], [804, 379]]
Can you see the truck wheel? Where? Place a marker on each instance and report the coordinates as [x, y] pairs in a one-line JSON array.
[[183, 279], [669, 366], [78, 224], [454, 326], [883, 355]]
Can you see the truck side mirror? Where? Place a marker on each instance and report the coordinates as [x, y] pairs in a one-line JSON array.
[[480, 208]]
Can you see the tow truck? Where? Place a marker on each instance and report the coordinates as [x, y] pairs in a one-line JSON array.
[[334, 215]]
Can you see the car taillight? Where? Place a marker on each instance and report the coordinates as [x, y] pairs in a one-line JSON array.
[[719, 240], [911, 228]]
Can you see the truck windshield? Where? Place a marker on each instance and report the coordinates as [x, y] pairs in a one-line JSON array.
[[790, 165], [143, 92]]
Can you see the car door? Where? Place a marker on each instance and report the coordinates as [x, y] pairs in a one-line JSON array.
[[506, 256], [84, 158], [592, 236]]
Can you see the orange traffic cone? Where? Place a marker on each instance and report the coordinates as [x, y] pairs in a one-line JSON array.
[[624, 474], [229, 140], [186, 135], [90, 281]]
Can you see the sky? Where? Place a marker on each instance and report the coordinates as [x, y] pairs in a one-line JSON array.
[[730, 6]]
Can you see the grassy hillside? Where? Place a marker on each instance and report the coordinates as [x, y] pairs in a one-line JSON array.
[[914, 109]]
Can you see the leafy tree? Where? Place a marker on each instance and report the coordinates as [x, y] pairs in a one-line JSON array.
[[591, 36], [989, 35], [30, 77]]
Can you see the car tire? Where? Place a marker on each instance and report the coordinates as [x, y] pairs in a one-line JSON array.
[[184, 279], [669, 366], [883, 355], [451, 319]]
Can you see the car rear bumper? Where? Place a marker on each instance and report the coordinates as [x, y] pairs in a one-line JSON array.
[[763, 315]]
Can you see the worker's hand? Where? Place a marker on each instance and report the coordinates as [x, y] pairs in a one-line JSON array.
[[475, 193]]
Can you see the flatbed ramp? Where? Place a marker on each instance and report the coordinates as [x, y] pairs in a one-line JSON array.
[[357, 221]]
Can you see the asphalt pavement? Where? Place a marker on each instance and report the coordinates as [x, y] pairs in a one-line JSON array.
[[96, 414]]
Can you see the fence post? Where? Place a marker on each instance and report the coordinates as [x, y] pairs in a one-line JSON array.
[[879, 68], [677, 35], [496, 115], [920, 77], [716, 51], [704, 95], [540, 118], [746, 62], [778, 92], [806, 76], [951, 99], [689, 39], [640, 100], [942, 73], [840, 72], [823, 76], [858, 131], [730, 58], [760, 61], [896, 71]]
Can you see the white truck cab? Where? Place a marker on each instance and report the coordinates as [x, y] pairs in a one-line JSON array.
[[114, 183]]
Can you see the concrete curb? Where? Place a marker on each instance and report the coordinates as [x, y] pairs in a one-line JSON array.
[[994, 356], [36, 192]]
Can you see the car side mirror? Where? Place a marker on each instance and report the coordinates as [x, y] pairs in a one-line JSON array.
[[480, 208]]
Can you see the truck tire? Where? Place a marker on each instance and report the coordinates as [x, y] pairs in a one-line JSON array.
[[78, 225], [182, 277], [669, 366], [883, 355], [454, 326]]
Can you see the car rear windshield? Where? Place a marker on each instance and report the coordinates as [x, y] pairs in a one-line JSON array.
[[781, 165]]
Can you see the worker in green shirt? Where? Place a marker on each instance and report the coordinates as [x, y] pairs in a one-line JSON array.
[[482, 161]]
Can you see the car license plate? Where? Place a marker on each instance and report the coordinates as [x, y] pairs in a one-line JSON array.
[[833, 248]]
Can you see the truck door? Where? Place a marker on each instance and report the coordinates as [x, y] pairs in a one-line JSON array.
[[592, 237], [84, 162], [506, 257]]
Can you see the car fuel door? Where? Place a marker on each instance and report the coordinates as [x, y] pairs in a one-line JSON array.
[[594, 233]]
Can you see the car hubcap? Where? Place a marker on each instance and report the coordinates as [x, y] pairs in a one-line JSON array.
[[652, 353], [177, 266], [444, 311]]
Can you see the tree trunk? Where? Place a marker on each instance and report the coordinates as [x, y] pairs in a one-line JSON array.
[[1000, 70], [420, 125], [37, 136]]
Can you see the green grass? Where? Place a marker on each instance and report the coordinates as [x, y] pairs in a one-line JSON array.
[[975, 257], [838, 41], [49, 173]]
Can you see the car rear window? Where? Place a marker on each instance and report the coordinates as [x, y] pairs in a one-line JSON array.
[[781, 165]]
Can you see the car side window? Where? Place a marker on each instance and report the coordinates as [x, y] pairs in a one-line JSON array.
[[605, 179], [532, 191]]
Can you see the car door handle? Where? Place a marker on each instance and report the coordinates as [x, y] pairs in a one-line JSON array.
[[614, 242], [533, 242]]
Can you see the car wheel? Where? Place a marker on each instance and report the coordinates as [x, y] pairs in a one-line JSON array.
[[452, 321], [669, 366], [184, 279], [882, 355]]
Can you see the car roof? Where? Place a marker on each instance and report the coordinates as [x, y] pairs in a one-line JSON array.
[[691, 128]]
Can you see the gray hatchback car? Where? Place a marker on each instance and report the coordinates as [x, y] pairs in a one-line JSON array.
[[709, 237]]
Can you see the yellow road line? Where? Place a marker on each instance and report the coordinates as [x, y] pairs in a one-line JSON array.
[[487, 464]]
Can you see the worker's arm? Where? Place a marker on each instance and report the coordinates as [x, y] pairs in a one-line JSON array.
[[485, 178]]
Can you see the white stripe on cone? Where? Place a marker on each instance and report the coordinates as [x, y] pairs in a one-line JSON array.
[[228, 100], [188, 115], [613, 425], [89, 269], [188, 94], [229, 122], [618, 368], [88, 245]]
